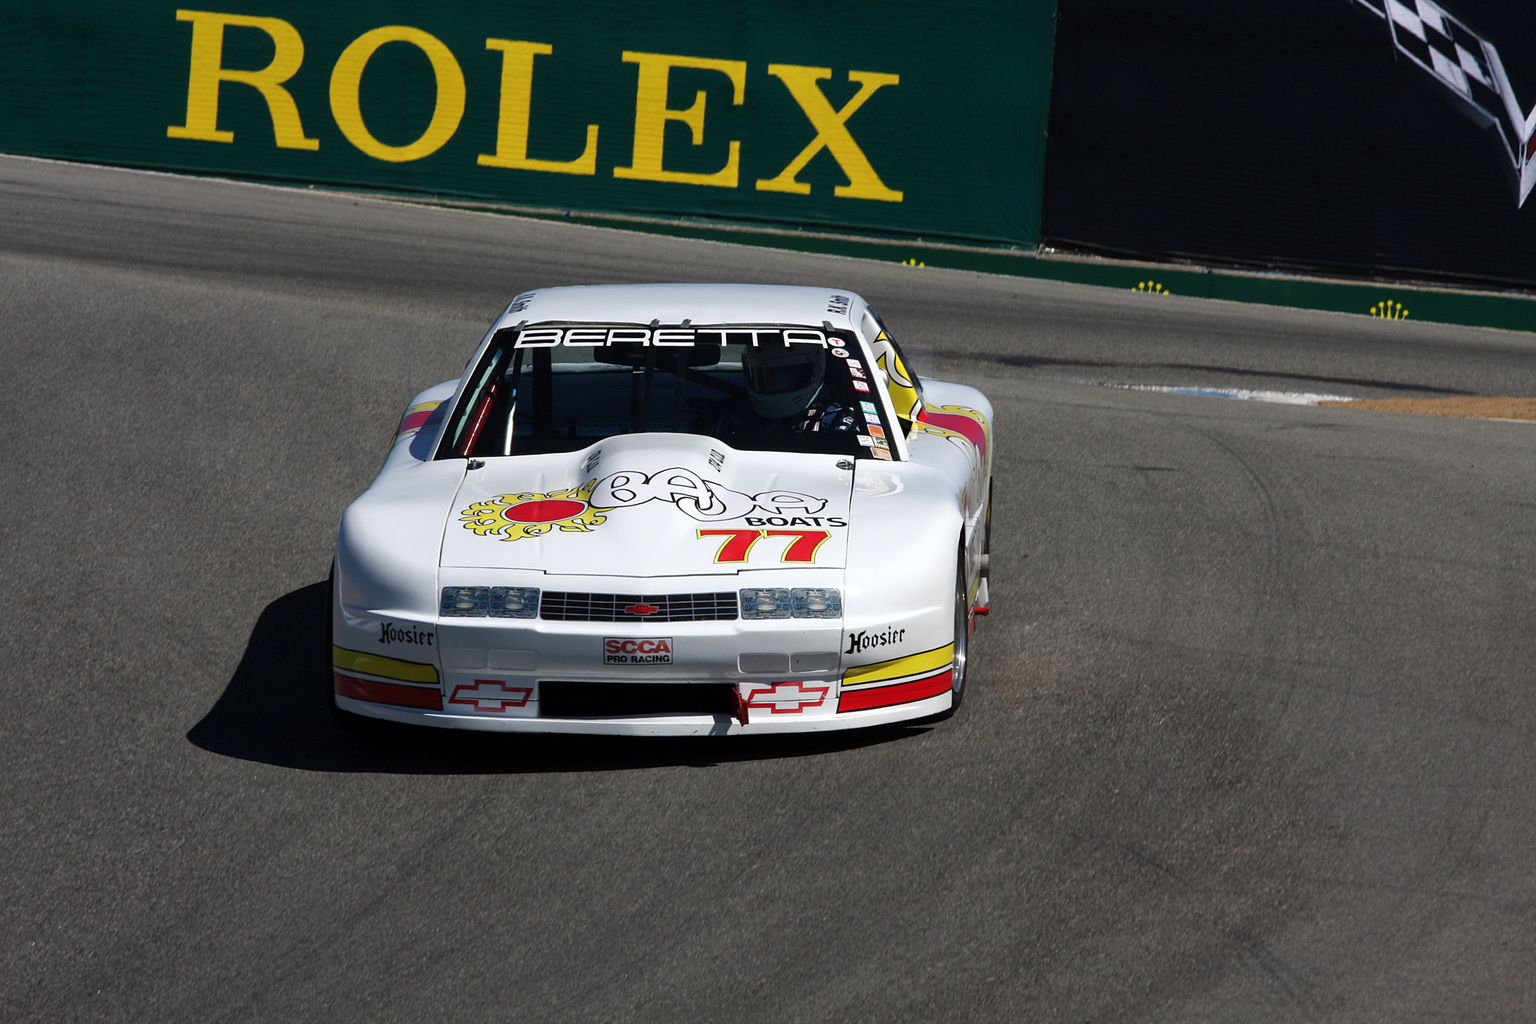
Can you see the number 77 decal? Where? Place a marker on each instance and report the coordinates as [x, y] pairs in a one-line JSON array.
[[737, 545]]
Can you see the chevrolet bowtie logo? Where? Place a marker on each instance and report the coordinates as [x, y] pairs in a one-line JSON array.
[[491, 695], [641, 609], [786, 698]]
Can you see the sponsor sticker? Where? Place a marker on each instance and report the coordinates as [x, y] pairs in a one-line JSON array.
[[860, 386], [580, 509], [593, 335], [841, 353], [737, 545], [881, 453], [796, 521], [866, 440], [868, 640], [876, 430], [869, 409], [389, 633], [855, 370], [653, 650], [855, 364]]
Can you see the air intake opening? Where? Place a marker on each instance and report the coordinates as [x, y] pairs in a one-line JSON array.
[[629, 700]]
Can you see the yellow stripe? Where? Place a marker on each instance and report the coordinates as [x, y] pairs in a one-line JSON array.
[[911, 665], [387, 668]]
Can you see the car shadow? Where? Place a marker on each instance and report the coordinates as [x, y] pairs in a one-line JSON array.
[[276, 710]]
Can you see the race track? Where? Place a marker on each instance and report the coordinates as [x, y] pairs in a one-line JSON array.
[[1250, 734]]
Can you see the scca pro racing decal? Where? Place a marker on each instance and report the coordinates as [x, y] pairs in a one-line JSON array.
[[655, 650], [579, 509]]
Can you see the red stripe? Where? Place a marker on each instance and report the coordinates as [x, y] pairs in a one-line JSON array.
[[389, 693], [415, 419], [901, 693], [964, 425]]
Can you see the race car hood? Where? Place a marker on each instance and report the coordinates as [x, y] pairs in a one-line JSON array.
[[650, 505]]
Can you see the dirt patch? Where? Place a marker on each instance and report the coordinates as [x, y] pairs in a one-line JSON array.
[[1473, 408]]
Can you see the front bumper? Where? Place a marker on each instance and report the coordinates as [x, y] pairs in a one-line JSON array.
[[654, 725], [739, 676], [896, 690]]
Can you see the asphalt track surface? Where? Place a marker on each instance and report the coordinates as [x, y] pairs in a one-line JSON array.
[[1249, 736]]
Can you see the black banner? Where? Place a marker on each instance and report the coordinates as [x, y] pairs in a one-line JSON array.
[[1364, 137]]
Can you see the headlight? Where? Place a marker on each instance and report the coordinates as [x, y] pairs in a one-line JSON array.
[[816, 603], [764, 604], [502, 602], [800, 603], [464, 601], [515, 602]]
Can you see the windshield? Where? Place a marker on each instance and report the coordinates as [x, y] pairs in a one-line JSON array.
[[558, 387]]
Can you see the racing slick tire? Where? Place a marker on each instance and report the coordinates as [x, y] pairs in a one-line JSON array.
[[345, 720], [962, 641]]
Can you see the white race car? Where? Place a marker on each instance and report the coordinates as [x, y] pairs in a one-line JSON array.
[[670, 510]]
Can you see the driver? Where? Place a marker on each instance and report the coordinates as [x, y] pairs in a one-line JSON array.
[[786, 390]]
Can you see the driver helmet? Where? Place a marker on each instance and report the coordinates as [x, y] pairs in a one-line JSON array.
[[782, 379]]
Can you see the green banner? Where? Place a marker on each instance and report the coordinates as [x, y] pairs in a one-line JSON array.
[[905, 118]]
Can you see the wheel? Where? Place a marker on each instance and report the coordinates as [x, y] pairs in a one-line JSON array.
[[986, 544], [962, 636], [343, 719], [962, 640]]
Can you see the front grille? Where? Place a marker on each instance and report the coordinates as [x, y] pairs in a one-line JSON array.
[[628, 700], [573, 606]]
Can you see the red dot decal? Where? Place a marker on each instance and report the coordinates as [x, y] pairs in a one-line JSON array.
[[549, 510]]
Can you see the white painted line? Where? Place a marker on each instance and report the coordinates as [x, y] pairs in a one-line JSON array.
[[1241, 394]]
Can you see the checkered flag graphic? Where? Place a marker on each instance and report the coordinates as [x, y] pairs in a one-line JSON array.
[[1469, 66]]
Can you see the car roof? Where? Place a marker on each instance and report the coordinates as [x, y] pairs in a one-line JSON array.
[[674, 303]]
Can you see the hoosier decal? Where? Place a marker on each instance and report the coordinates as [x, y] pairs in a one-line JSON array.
[[389, 633], [864, 640]]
